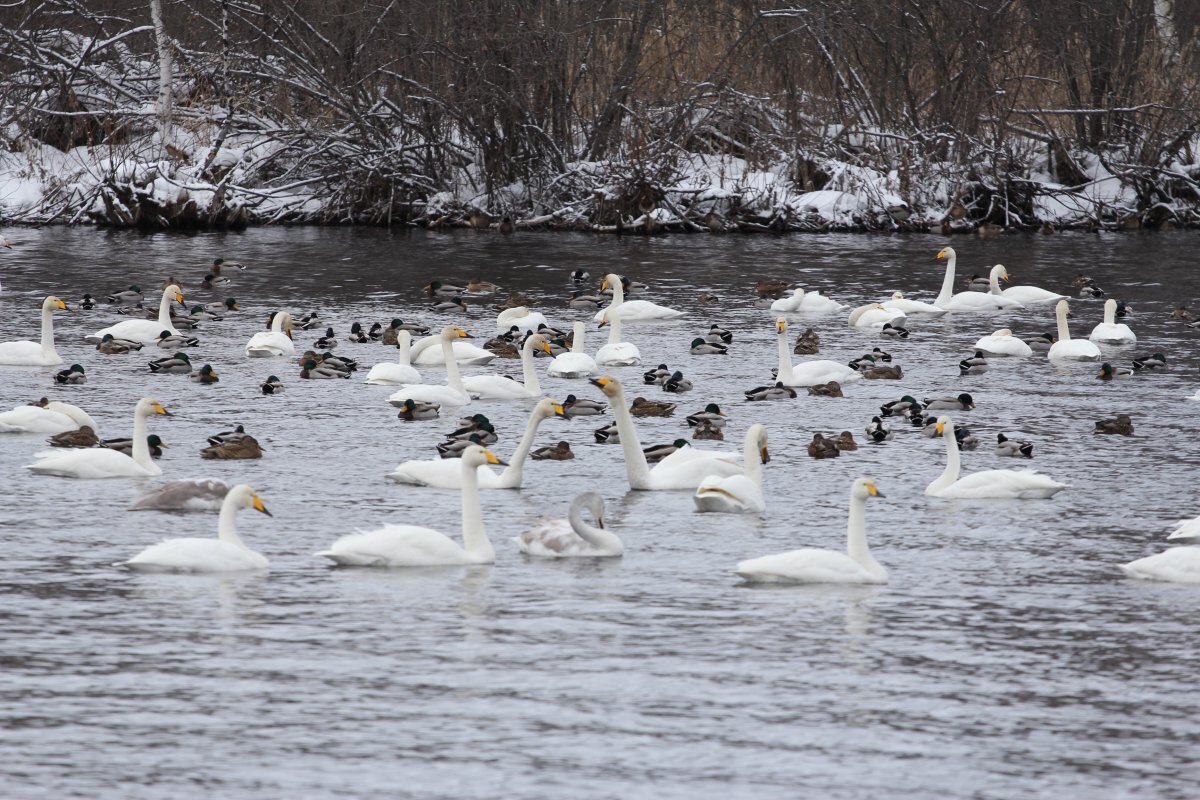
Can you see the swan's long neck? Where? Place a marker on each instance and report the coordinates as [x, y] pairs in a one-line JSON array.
[[514, 473], [528, 372], [636, 468], [227, 527], [785, 359], [751, 458], [1110, 312], [856, 533], [994, 280], [614, 325], [475, 538], [48, 351], [404, 340], [596, 537], [618, 294], [577, 338], [141, 448], [953, 465], [164, 311], [1064, 333], [947, 283], [453, 377]]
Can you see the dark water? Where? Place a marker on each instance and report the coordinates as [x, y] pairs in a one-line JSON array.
[[1007, 658]]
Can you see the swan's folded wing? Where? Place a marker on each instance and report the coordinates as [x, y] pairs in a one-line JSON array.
[[195, 555], [198, 494], [804, 566], [395, 546], [1177, 565]]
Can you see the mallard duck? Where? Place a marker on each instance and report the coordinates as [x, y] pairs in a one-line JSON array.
[[677, 384], [973, 365], [211, 281], [587, 302], [878, 430], [608, 434], [1090, 289], [357, 334], [229, 437], [712, 414], [326, 342], [442, 289], [305, 323], [476, 286], [453, 304], [550, 332], [656, 453], [376, 332], [768, 289], [558, 452], [125, 446], [219, 263], [580, 276], [703, 348], [341, 363], [706, 429], [129, 297], [314, 371], [927, 425], [776, 392], [74, 376], [862, 362], [845, 441], [706, 298], [1080, 280], [880, 355], [455, 447], [808, 343], [171, 341], [197, 314], [474, 422], [1122, 425], [893, 331], [641, 407], [1108, 372], [87, 303], [246, 447], [1156, 361], [506, 227], [965, 439], [1180, 313], [205, 375], [657, 376], [906, 406], [112, 346], [717, 334], [1011, 448], [882, 372], [1041, 343], [177, 364], [831, 389], [977, 283], [272, 385], [820, 447], [484, 431], [84, 436], [221, 306], [963, 402], [581, 407], [411, 410]]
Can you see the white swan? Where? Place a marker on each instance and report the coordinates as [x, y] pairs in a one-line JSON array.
[[1003, 343], [1177, 565], [445, 473], [970, 301], [36, 354], [1110, 331], [501, 387], [631, 310], [393, 373], [453, 393], [616, 353], [1186, 529], [145, 331], [874, 315], [427, 353], [56, 417], [899, 302], [275, 342], [809, 565], [189, 494], [522, 317], [738, 493], [226, 553], [1066, 348], [105, 463], [572, 537], [1025, 295], [990, 483], [414, 546], [807, 373], [576, 363], [682, 470], [802, 302]]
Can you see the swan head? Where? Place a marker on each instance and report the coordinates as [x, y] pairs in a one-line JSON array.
[[53, 303], [1062, 308], [610, 280], [603, 318], [944, 424], [781, 325], [148, 407], [547, 408], [174, 291], [243, 496], [477, 455], [1003, 332], [897, 295], [1000, 273], [864, 488], [538, 341], [946, 252], [758, 434], [610, 386], [451, 332]]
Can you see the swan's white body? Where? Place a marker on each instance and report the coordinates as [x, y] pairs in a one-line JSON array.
[[682, 470], [1003, 343], [275, 342], [105, 463], [1025, 295], [1066, 348], [522, 317], [425, 352], [396, 373], [631, 310], [35, 354], [899, 302], [226, 553], [500, 387], [970, 301], [1177, 565], [807, 373], [1186, 529], [874, 315], [738, 494], [415, 546], [616, 353], [802, 302], [1110, 331], [145, 331], [56, 417], [576, 363], [194, 494], [572, 537], [452, 393], [809, 565], [991, 483]]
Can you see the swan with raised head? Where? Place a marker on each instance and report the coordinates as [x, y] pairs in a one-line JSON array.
[[36, 354], [500, 387], [899, 302], [807, 373], [875, 315], [1110, 331], [444, 473], [146, 331], [1066, 348], [990, 483], [189, 494], [572, 537], [616, 353], [576, 363], [631, 310], [226, 553], [105, 463], [275, 342], [738, 494], [1177, 565], [452, 393], [1003, 343], [682, 470], [52, 418], [811, 565], [802, 302], [427, 352], [1025, 295], [970, 301], [520, 317], [414, 546], [395, 373]]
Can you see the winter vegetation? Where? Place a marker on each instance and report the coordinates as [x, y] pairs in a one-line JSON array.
[[606, 115]]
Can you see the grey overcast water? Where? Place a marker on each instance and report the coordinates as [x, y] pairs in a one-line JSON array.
[[1008, 657]]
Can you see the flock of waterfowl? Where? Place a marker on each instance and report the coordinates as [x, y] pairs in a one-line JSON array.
[[719, 481]]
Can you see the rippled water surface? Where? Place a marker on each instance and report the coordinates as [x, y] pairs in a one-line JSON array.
[[1007, 658]]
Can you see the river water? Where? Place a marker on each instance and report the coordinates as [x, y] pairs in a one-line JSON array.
[[1007, 658]]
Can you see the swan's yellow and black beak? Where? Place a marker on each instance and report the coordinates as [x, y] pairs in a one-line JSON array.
[[604, 283], [559, 411], [258, 505], [158, 409], [941, 426], [943, 254], [603, 321], [493, 459], [873, 491], [546, 347], [764, 455], [600, 382], [462, 334], [600, 523], [781, 326], [179, 298]]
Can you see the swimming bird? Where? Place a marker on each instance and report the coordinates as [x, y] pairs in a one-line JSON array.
[[177, 364], [906, 406], [700, 347], [36, 354], [737, 494], [453, 393], [84, 436], [719, 335], [308, 321], [275, 342], [572, 537], [992, 483], [965, 439], [872, 371], [806, 373], [391, 373], [326, 342], [1110, 331], [845, 442], [411, 410], [1040, 343], [776, 392], [657, 452], [708, 431], [125, 445], [712, 414], [441, 289], [878, 431], [608, 434], [171, 341], [971, 301], [145, 331], [1176, 565], [657, 376], [576, 363], [243, 447], [616, 352], [893, 331], [963, 402], [110, 345], [580, 276], [128, 297], [1152, 362], [677, 384], [898, 302], [205, 375], [105, 463], [973, 365], [46, 416], [73, 376], [1025, 295], [582, 407], [807, 343], [559, 452], [874, 315], [1003, 343], [641, 407], [312, 370], [820, 447], [1122, 425], [1108, 372], [831, 389], [501, 387], [211, 281], [1011, 448], [631, 310], [587, 302]]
